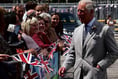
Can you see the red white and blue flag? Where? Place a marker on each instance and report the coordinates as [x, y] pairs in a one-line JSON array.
[[39, 66], [53, 47], [45, 64], [67, 43], [26, 58], [32, 74], [32, 60]]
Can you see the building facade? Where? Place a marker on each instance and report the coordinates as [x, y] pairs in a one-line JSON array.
[[58, 1]]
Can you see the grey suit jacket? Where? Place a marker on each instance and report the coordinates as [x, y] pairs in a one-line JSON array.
[[99, 47]]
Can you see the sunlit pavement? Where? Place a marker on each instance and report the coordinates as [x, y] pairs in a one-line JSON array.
[[113, 69]]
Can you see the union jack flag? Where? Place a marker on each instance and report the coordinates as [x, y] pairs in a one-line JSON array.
[[26, 58], [52, 48], [40, 71], [67, 42], [67, 38], [32, 60], [44, 64], [31, 74]]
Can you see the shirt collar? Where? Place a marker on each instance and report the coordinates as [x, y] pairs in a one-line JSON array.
[[91, 22]]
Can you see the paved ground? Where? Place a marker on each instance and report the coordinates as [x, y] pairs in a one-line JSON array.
[[112, 70]]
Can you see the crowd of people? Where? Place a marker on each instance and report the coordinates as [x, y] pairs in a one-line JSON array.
[[32, 28]]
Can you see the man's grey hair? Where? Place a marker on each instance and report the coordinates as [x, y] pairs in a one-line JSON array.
[[89, 4]]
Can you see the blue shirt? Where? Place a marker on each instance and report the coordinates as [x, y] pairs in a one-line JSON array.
[[89, 25]]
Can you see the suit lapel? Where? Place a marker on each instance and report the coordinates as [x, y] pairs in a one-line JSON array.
[[90, 34], [81, 37], [94, 31]]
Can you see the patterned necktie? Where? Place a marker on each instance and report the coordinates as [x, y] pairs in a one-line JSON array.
[[85, 32]]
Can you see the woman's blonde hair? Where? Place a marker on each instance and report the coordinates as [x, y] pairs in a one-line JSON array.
[[25, 26]]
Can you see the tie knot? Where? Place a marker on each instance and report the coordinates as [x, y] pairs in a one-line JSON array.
[[86, 25], [87, 28]]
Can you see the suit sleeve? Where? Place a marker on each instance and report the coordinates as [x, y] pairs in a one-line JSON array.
[[70, 58], [112, 50]]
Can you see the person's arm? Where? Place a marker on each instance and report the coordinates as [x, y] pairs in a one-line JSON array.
[[4, 47], [70, 57], [112, 50], [107, 21], [68, 62], [39, 42], [3, 57], [114, 21], [30, 43]]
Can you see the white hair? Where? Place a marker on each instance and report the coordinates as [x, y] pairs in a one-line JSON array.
[[45, 15], [89, 4]]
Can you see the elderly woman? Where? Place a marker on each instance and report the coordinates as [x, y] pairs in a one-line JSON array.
[[41, 37], [29, 28], [49, 30], [34, 35]]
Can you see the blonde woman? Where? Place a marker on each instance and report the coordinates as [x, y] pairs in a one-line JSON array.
[[29, 28], [34, 36]]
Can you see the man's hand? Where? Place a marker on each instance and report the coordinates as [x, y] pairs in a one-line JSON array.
[[3, 57], [61, 71], [32, 50], [60, 45], [98, 66]]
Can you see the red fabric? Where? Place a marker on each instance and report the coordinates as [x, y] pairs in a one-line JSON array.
[[19, 50], [41, 39]]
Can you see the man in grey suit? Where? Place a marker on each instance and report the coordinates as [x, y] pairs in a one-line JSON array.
[[93, 48]]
